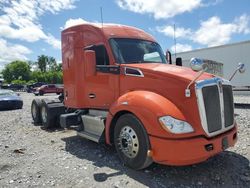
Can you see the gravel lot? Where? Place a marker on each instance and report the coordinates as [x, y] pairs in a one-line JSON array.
[[32, 157]]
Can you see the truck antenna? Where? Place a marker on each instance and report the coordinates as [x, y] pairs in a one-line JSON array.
[[101, 16], [174, 43]]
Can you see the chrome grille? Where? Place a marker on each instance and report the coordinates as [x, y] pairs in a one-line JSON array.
[[228, 105], [211, 99], [215, 102]]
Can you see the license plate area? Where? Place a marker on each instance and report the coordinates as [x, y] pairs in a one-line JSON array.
[[224, 143]]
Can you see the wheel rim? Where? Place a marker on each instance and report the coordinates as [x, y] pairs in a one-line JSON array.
[[44, 114], [34, 111], [128, 142]]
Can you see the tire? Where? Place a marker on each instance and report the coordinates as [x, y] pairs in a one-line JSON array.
[[131, 142], [20, 106], [35, 110], [48, 119], [41, 93]]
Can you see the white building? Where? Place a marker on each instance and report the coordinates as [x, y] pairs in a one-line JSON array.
[[229, 55]]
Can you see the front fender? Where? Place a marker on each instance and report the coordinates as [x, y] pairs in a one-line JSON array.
[[148, 107]]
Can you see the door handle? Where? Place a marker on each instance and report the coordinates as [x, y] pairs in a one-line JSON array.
[[91, 95]]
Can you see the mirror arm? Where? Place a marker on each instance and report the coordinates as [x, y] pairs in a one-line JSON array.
[[187, 90], [240, 68], [233, 75]]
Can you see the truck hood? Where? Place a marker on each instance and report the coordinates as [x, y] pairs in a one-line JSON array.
[[177, 72]]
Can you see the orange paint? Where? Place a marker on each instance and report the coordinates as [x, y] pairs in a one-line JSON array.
[[160, 92]]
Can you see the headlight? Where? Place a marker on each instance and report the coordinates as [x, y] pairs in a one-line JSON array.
[[175, 126]]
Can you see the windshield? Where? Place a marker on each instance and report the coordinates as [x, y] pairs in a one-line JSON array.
[[136, 51]]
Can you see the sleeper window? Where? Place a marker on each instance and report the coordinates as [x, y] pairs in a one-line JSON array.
[[102, 57]]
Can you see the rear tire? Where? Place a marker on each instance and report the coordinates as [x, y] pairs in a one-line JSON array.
[[35, 111], [48, 120], [131, 142], [41, 93]]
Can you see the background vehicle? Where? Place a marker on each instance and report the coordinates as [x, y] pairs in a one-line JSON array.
[[50, 88], [16, 87], [120, 89], [32, 87], [10, 100]]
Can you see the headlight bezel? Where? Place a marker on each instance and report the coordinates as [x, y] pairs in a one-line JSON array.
[[175, 126]]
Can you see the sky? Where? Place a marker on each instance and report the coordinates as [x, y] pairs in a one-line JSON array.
[[29, 28]]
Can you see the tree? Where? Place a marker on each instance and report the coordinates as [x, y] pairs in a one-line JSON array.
[[52, 63], [16, 70], [42, 62], [47, 63]]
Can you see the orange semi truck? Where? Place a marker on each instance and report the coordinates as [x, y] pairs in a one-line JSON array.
[[119, 88]]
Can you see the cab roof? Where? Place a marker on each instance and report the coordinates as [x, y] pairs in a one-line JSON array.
[[113, 31]]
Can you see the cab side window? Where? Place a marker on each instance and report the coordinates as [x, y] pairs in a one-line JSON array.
[[102, 57]]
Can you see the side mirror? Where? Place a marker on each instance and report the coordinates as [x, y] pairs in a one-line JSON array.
[[169, 57], [178, 61], [197, 64], [241, 68], [90, 62]]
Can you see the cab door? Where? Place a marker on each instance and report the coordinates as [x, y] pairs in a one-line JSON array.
[[103, 88]]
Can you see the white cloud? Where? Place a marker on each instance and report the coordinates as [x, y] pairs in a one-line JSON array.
[[212, 3], [181, 48], [158, 8], [243, 24], [50, 39], [73, 22], [21, 19], [29, 34], [10, 52], [179, 31], [55, 6], [212, 32]]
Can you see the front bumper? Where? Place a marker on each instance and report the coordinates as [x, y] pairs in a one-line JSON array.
[[181, 152]]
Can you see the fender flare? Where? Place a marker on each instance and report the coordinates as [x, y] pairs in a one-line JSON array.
[[147, 106]]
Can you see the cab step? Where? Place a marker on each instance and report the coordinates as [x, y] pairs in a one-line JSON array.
[[90, 136], [93, 125]]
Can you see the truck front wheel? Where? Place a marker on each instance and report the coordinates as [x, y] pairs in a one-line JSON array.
[[131, 142]]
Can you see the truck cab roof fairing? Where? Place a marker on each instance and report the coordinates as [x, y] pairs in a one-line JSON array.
[[114, 31]]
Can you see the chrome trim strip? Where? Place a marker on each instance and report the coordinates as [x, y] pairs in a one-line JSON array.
[[219, 85], [127, 74], [201, 106]]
